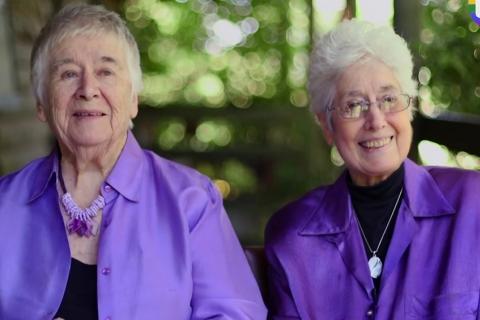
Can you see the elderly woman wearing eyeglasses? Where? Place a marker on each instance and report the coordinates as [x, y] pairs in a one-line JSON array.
[[389, 239]]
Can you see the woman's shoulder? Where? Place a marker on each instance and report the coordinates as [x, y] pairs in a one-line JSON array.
[[447, 176], [459, 187], [19, 186], [443, 177], [295, 214], [28, 172], [178, 178], [175, 171]]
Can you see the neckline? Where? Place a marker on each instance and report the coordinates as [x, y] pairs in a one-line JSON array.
[[385, 190], [82, 264]]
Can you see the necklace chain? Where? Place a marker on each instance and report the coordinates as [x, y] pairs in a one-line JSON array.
[[374, 252]]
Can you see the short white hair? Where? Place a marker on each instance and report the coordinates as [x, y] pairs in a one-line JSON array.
[[349, 42], [74, 20]]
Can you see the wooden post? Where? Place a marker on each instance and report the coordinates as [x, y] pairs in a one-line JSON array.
[[407, 23]]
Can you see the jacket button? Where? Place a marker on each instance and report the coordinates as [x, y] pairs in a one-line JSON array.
[[108, 188], [108, 318], [370, 313], [106, 271]]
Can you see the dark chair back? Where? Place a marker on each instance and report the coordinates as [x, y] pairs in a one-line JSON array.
[[258, 263]]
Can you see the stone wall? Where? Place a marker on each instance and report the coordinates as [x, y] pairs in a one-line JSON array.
[[22, 137]]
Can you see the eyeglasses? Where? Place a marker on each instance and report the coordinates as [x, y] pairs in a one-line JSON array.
[[358, 108]]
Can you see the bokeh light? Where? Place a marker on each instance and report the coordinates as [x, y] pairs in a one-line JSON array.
[[223, 187], [327, 13], [378, 12], [432, 153], [171, 133]]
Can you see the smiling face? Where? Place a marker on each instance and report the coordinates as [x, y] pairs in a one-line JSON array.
[[89, 92], [373, 146]]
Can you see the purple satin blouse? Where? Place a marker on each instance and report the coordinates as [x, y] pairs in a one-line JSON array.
[[167, 249], [318, 266]]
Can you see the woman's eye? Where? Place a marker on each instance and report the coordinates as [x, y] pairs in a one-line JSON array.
[[351, 105], [68, 75], [390, 99], [106, 72]]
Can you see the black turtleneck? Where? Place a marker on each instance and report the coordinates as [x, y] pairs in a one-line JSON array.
[[373, 206], [80, 298]]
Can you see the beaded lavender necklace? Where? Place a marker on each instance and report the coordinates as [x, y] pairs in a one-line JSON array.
[[81, 220]]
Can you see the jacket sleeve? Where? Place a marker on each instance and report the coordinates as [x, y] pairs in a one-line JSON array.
[[281, 303], [223, 284]]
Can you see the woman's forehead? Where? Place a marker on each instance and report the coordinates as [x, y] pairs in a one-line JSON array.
[[100, 47], [388, 88], [365, 78]]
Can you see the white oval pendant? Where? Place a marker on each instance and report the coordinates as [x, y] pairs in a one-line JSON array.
[[375, 266]]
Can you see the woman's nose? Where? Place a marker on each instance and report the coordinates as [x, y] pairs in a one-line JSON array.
[[375, 118], [88, 87]]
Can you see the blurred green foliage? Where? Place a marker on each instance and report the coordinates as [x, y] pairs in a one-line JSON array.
[[216, 53], [227, 80], [449, 51]]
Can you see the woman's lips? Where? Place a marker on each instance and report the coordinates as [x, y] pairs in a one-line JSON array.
[[88, 114], [376, 143]]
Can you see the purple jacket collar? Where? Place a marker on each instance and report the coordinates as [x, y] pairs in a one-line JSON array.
[[333, 220], [337, 215], [125, 176]]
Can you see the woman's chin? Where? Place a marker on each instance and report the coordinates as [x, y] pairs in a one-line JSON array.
[[373, 173], [89, 140]]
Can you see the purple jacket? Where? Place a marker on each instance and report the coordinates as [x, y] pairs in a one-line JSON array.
[[167, 249], [318, 265]]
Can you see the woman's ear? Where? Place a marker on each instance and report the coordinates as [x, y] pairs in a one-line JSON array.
[[133, 108], [327, 131], [41, 113]]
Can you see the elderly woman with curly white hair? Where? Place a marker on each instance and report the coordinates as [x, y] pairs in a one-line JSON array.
[[100, 228], [389, 239]]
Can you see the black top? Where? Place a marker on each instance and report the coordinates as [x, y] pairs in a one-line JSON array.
[[80, 298], [373, 206]]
